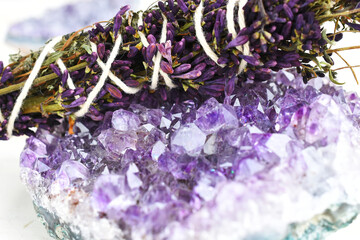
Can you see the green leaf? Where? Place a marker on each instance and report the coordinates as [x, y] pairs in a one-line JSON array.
[[53, 57], [332, 78]]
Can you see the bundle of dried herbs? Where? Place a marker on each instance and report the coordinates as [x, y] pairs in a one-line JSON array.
[[280, 34]]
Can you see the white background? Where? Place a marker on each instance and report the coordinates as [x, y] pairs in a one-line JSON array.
[[17, 217]]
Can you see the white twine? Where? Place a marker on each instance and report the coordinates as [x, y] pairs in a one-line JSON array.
[[114, 79], [62, 67], [242, 24], [201, 36], [2, 118], [106, 70], [158, 57], [24, 92]]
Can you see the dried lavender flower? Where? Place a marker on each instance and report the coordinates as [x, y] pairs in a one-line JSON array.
[[280, 34]]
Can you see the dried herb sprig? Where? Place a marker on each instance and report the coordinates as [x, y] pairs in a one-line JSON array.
[[281, 34]]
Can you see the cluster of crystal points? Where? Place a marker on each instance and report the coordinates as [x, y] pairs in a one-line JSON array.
[[275, 161]]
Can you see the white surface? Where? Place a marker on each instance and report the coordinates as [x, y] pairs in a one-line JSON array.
[[17, 217]]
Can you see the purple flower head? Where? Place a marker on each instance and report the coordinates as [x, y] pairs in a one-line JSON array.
[[239, 40], [64, 77], [190, 75], [55, 69], [114, 91], [182, 6], [165, 50], [7, 75], [166, 67], [76, 103], [182, 68]]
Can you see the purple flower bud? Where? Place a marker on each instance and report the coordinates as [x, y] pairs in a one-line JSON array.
[[271, 63], [162, 6], [217, 32], [99, 27], [288, 11], [153, 29], [130, 30], [117, 24], [268, 36], [251, 60], [132, 52], [165, 50], [96, 118], [151, 39], [200, 67], [7, 74], [123, 10], [76, 103], [25, 118], [170, 4], [199, 59], [230, 85], [170, 16], [148, 18], [101, 50], [186, 58], [169, 36], [115, 105], [1, 67], [209, 17], [131, 83], [223, 60], [55, 69], [166, 67], [163, 93], [120, 63], [79, 91], [354, 26], [68, 93], [190, 39], [64, 77], [150, 52], [239, 40], [190, 75], [179, 46], [114, 91], [182, 68], [286, 29], [206, 75], [182, 6]]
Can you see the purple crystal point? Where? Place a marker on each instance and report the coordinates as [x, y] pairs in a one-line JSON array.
[[106, 189], [212, 115], [118, 142], [69, 172]]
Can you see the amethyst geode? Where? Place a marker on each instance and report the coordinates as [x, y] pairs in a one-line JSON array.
[[275, 160]]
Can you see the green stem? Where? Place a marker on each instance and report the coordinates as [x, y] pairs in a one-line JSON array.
[[39, 80]]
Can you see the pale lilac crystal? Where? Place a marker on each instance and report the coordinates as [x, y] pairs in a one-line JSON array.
[[188, 139], [116, 141], [123, 120]]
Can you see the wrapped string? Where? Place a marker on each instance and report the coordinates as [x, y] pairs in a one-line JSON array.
[[24, 92], [245, 49], [85, 107]]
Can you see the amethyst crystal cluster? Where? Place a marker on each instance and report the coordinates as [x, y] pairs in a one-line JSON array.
[[241, 168]]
